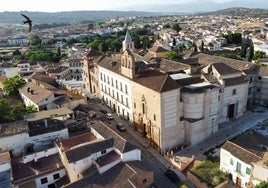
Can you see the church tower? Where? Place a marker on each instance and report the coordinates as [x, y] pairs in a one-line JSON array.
[[128, 64], [128, 44]]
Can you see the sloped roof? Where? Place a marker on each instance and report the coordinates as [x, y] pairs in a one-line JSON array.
[[205, 59], [157, 49], [92, 53], [235, 81], [120, 143], [68, 143], [84, 151], [123, 175], [157, 81], [240, 153], [224, 69], [39, 93], [128, 37], [169, 66], [248, 147]]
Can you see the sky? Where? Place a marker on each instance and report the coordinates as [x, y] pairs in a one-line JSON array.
[[73, 5]]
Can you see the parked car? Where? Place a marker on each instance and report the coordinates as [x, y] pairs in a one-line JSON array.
[[103, 111], [109, 116], [172, 176], [121, 127]]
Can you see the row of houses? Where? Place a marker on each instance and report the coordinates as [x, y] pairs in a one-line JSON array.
[[38, 152]]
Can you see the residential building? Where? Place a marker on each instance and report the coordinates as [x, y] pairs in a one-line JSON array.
[[37, 132], [102, 148], [245, 158], [44, 93], [37, 170], [5, 169]]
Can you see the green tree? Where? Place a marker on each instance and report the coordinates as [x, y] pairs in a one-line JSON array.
[[263, 184], [174, 42], [176, 27], [251, 51], [166, 26], [11, 85], [201, 47], [4, 110], [35, 40], [195, 47], [259, 54], [174, 56], [145, 42]]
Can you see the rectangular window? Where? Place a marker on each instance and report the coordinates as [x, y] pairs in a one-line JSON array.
[[238, 167], [134, 105], [234, 91], [103, 151], [116, 84], [248, 171], [121, 87], [101, 77], [127, 102], [56, 176], [43, 180], [126, 89], [259, 78], [122, 99], [231, 161], [112, 82], [258, 90], [143, 108], [154, 117]]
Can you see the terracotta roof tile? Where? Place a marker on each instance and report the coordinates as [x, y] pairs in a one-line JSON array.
[[157, 81], [224, 69]]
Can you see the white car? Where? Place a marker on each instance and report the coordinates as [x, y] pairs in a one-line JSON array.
[[109, 116]]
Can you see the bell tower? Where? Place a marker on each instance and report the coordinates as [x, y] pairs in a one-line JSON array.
[[128, 44], [128, 64]]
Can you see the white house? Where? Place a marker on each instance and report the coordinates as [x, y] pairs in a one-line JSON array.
[[102, 148], [37, 170], [240, 156]]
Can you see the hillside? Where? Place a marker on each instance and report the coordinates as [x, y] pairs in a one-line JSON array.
[[238, 11], [68, 17]]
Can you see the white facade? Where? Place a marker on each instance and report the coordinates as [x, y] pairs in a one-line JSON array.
[[43, 141], [115, 90], [240, 170], [49, 178], [15, 143], [259, 173]]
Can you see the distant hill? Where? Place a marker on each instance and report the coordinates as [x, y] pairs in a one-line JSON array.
[[197, 6], [68, 16], [238, 11]]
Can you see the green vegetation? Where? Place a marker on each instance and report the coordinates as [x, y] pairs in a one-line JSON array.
[[263, 184], [11, 85], [9, 113], [209, 172], [259, 54], [176, 27], [229, 55], [233, 38], [174, 56]]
